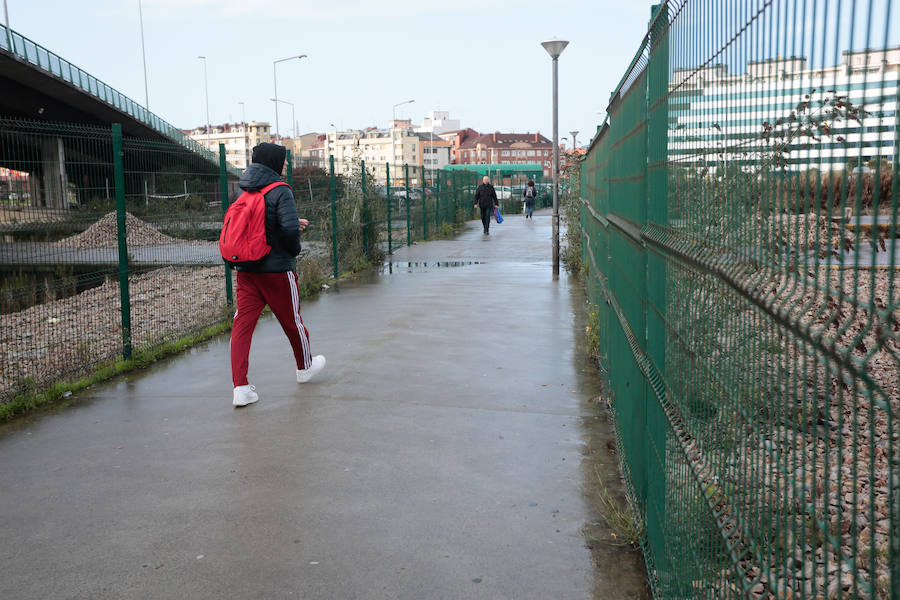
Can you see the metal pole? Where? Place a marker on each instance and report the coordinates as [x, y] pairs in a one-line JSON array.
[[143, 53], [408, 232], [387, 171], [334, 239], [8, 34], [424, 208], [124, 296], [555, 172], [206, 93], [275, 78], [223, 196], [365, 207]]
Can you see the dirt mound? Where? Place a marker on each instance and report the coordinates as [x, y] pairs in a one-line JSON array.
[[103, 234]]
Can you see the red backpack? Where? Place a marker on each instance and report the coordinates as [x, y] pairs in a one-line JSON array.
[[243, 237]]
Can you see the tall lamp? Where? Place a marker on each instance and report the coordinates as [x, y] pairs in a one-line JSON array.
[[554, 48]]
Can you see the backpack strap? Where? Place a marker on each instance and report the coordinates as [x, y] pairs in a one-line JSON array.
[[271, 186]]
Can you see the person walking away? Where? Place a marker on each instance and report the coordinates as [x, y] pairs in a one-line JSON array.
[[486, 200], [529, 193], [272, 280]]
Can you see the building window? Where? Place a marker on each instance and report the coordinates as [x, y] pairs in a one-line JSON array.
[[504, 153], [531, 153]]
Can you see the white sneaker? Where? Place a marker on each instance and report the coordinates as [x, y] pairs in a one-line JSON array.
[[244, 395], [317, 364]]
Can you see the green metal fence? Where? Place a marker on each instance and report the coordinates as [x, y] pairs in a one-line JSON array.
[[740, 225], [109, 243]]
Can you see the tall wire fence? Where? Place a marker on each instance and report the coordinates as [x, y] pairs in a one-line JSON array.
[[109, 243], [740, 225]]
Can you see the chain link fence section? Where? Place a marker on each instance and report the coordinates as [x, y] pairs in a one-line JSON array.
[[109, 243], [740, 225]]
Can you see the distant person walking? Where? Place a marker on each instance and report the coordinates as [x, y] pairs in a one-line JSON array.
[[271, 281], [486, 200], [529, 193]]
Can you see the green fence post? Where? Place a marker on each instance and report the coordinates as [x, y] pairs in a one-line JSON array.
[[408, 231], [454, 177], [290, 169], [365, 209], [655, 289], [223, 196], [436, 184], [334, 223], [124, 296], [424, 208], [387, 177]]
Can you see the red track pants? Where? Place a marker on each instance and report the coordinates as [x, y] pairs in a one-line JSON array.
[[254, 292]]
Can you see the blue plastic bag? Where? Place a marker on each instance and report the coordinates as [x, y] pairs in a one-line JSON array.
[[497, 216]]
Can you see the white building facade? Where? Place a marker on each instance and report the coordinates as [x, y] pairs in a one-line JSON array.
[[239, 139], [815, 118], [437, 122]]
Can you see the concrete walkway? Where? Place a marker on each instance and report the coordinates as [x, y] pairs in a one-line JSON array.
[[449, 450]]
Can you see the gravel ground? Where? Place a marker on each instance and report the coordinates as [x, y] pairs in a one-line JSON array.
[[64, 338], [814, 452], [104, 234]]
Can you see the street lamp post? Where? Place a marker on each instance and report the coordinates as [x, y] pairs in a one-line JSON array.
[[275, 79], [143, 53], [393, 125], [573, 134], [554, 48], [206, 93], [9, 45], [246, 135], [293, 117]]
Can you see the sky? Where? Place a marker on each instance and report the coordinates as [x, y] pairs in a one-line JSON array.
[[481, 60]]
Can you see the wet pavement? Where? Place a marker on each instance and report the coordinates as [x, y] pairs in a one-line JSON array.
[[449, 450]]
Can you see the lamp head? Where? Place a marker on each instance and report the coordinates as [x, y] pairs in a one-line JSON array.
[[555, 47]]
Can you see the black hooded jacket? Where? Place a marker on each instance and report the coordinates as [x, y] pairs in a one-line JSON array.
[[282, 224], [485, 196]]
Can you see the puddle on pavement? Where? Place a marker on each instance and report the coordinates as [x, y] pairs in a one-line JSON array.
[[410, 266]]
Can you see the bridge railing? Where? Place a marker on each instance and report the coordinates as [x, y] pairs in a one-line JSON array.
[[740, 228], [39, 56]]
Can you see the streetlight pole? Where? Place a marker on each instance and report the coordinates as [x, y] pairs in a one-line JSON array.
[[246, 136], [334, 148], [206, 93], [143, 53], [8, 33], [276, 100], [573, 134], [554, 48], [275, 78], [393, 125]]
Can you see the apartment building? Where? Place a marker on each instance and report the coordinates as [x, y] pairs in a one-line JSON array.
[[398, 146], [239, 139], [503, 149]]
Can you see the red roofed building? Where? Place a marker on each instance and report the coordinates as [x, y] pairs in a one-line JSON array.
[[503, 149]]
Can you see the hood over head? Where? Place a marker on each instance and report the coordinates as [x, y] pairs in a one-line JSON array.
[[270, 155], [268, 160]]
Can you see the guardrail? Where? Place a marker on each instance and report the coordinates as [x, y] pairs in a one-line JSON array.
[[50, 62]]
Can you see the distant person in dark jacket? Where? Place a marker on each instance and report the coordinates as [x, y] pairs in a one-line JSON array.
[[529, 193], [271, 281], [486, 200]]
